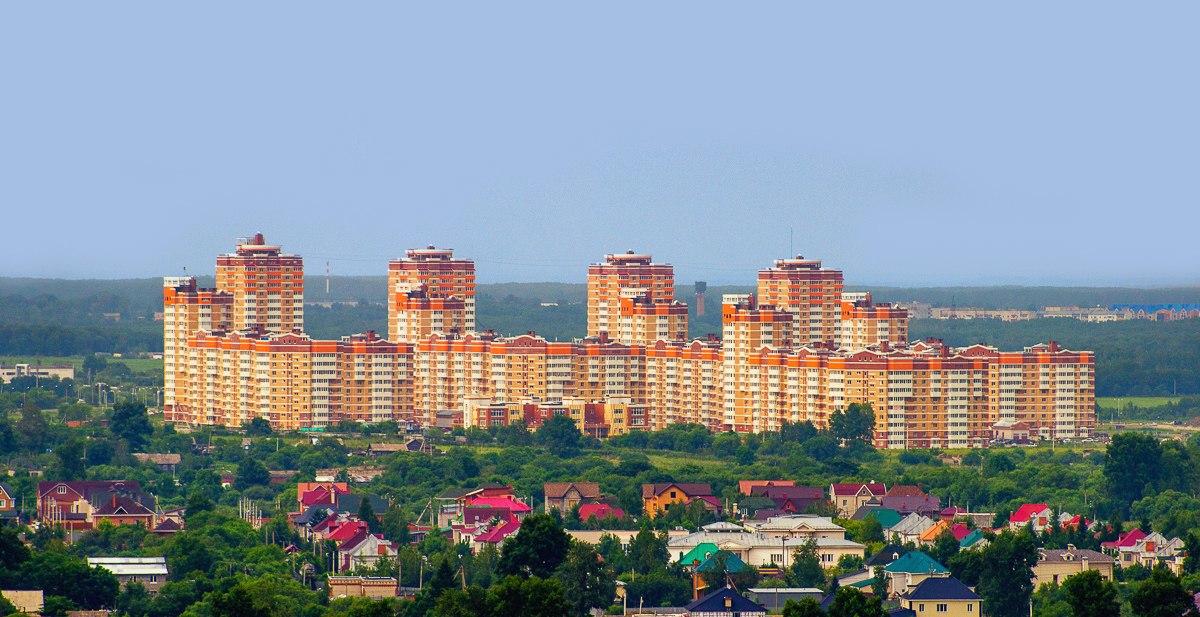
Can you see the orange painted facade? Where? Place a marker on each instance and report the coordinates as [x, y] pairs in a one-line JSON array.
[[799, 351], [429, 291], [267, 286], [865, 324], [813, 293], [626, 276]]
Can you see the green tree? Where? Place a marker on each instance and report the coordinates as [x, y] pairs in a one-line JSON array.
[[1091, 596], [647, 551], [469, 602], [537, 549], [395, 526], [251, 472], [945, 547], [258, 427], [659, 588], [1161, 595], [71, 466], [586, 580], [855, 423], [879, 584], [59, 574], [806, 607], [32, 428], [13, 552], [134, 600], [560, 435], [130, 422], [1132, 462], [366, 514], [528, 597], [1005, 577], [806, 570], [850, 602]]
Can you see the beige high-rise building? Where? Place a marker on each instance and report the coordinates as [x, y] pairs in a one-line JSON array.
[[186, 310], [429, 291], [747, 328], [267, 286], [866, 324], [643, 322], [627, 276], [684, 384], [814, 294]]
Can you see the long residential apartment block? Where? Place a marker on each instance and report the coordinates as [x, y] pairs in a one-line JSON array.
[[797, 351]]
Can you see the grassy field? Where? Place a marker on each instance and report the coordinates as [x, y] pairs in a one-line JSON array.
[[1135, 401], [134, 364]]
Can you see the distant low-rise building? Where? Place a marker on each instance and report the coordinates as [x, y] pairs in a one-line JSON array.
[[27, 601], [8, 373], [373, 587], [150, 572]]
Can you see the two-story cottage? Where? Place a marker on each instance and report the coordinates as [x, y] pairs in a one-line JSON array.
[[364, 550], [657, 497], [941, 597], [8, 505], [564, 496], [849, 497], [80, 506], [1057, 565]]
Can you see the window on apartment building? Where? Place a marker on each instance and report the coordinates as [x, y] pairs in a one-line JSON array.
[[942, 608]]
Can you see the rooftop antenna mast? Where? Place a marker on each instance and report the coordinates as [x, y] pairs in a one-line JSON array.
[[791, 241], [327, 278]]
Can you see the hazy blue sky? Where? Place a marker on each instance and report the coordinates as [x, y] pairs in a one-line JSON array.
[[906, 143]]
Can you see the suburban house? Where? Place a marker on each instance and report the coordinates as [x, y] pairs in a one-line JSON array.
[[80, 506], [792, 499], [310, 494], [746, 487], [656, 497], [8, 505], [165, 462], [374, 587], [364, 550], [941, 596], [909, 529], [1148, 550], [848, 498], [151, 572], [1037, 514], [724, 602], [905, 573], [564, 496], [1056, 565]]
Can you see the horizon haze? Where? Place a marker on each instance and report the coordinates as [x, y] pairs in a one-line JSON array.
[[945, 144]]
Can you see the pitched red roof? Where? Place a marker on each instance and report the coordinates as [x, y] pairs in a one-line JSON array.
[[346, 530], [1023, 514], [497, 534], [853, 488], [599, 510], [1126, 539], [500, 503], [905, 490]]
